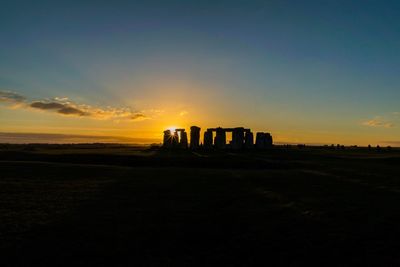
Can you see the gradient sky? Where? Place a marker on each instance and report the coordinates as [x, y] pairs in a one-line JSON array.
[[306, 71]]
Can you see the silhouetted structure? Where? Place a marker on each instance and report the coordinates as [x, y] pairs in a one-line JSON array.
[[241, 138], [194, 137], [167, 142], [172, 140], [220, 138], [175, 139], [249, 140], [263, 140], [208, 139], [238, 138], [183, 141]]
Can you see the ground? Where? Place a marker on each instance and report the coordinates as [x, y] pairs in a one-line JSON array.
[[124, 205]]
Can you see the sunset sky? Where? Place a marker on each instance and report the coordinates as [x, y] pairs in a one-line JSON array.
[[306, 71]]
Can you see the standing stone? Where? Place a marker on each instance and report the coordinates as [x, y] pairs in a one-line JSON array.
[[167, 142], [194, 137], [208, 139], [183, 143], [268, 140], [260, 140], [249, 139], [263, 140], [220, 138], [175, 140], [238, 138]]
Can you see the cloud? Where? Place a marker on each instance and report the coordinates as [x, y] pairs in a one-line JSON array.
[[66, 107], [7, 96], [71, 111], [378, 122], [58, 107], [44, 105], [138, 116], [183, 113]]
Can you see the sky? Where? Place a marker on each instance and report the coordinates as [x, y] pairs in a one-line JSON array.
[[317, 72]]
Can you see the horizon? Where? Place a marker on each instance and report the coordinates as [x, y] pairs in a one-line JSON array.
[[51, 138], [308, 73]]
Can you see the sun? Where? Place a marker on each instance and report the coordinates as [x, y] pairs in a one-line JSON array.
[[172, 128]]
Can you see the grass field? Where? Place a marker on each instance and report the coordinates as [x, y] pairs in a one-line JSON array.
[[121, 205]]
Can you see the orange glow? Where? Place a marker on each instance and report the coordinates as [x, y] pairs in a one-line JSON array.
[[172, 128]]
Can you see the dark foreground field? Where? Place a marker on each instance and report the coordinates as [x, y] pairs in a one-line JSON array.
[[118, 206]]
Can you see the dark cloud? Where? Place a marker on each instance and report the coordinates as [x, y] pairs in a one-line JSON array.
[[72, 111], [49, 105], [59, 107], [138, 116], [66, 107], [7, 96]]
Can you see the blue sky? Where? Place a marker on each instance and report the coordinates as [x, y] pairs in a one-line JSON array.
[[301, 69]]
